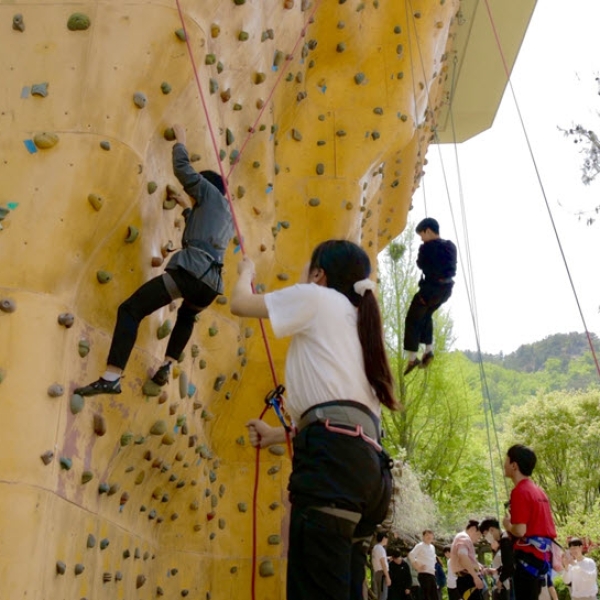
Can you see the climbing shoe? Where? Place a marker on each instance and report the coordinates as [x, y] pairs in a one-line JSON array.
[[412, 364], [102, 386], [161, 377], [426, 360]]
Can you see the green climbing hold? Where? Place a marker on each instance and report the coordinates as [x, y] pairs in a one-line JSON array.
[[320, 169], [83, 348], [105, 145], [165, 88], [213, 331], [164, 330], [152, 186], [266, 569], [91, 541], [126, 438], [169, 134], [151, 389], [274, 540], [76, 404], [229, 137], [132, 234], [78, 22], [359, 78], [65, 463], [314, 202], [159, 428], [103, 276], [86, 477], [180, 33]]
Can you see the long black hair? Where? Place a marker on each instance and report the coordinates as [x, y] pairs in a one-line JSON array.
[[344, 264]]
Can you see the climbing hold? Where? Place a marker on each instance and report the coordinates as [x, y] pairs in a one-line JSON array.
[[140, 99], [277, 450], [266, 569], [106, 577], [96, 201], [118, 576], [60, 567], [103, 488], [91, 541], [296, 135], [359, 78], [219, 381], [159, 428], [157, 261], [222, 523], [132, 234], [78, 22], [168, 439], [151, 187], [165, 88], [47, 457], [8, 305], [273, 470], [164, 330], [113, 489], [76, 404], [45, 140], [259, 78], [320, 169], [83, 348], [183, 385], [314, 202], [140, 477], [274, 540], [278, 58], [18, 24], [55, 390], [213, 86], [229, 137], [66, 320], [86, 477], [341, 47], [399, 49], [104, 543], [202, 363], [169, 134], [126, 438], [103, 276], [283, 276], [99, 425], [180, 33], [213, 330], [39, 89], [274, 505], [105, 145], [65, 463]]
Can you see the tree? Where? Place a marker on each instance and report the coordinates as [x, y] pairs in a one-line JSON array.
[[564, 430]]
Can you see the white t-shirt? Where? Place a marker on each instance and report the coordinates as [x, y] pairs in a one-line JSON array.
[[425, 554], [325, 359], [377, 554], [582, 577], [451, 579]]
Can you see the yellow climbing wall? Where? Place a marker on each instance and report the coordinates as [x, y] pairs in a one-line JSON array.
[[320, 114]]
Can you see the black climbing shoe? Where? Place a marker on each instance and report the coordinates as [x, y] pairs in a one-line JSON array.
[[161, 377], [102, 386], [426, 360], [412, 364]]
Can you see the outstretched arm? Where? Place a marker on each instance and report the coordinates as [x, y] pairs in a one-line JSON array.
[[182, 167], [244, 303], [262, 435]]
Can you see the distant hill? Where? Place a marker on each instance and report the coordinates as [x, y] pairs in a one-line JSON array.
[[531, 358]]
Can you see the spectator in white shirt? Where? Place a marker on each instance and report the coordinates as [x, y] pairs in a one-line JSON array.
[[580, 572], [422, 557]]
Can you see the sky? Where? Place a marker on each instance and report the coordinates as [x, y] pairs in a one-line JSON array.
[[521, 286]]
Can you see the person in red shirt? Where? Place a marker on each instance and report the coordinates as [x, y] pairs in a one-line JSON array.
[[529, 522]]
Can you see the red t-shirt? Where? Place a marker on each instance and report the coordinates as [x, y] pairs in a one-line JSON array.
[[529, 505]]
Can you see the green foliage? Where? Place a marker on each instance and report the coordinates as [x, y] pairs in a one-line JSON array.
[[564, 430]]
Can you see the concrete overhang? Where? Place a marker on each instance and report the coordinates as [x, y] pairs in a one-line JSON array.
[[476, 74]]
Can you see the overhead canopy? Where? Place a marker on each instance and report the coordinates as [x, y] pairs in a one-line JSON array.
[[476, 71]]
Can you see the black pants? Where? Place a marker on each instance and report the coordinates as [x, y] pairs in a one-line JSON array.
[[418, 325], [327, 554], [526, 586], [428, 586], [150, 297], [467, 590]]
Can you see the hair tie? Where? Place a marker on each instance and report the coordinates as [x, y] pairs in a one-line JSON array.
[[360, 287]]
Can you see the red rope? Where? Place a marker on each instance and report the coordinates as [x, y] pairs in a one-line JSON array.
[[539, 178]]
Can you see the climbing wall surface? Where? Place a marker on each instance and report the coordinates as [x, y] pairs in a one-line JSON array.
[[319, 112]]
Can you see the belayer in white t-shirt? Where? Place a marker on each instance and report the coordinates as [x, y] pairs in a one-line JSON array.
[[337, 377]]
